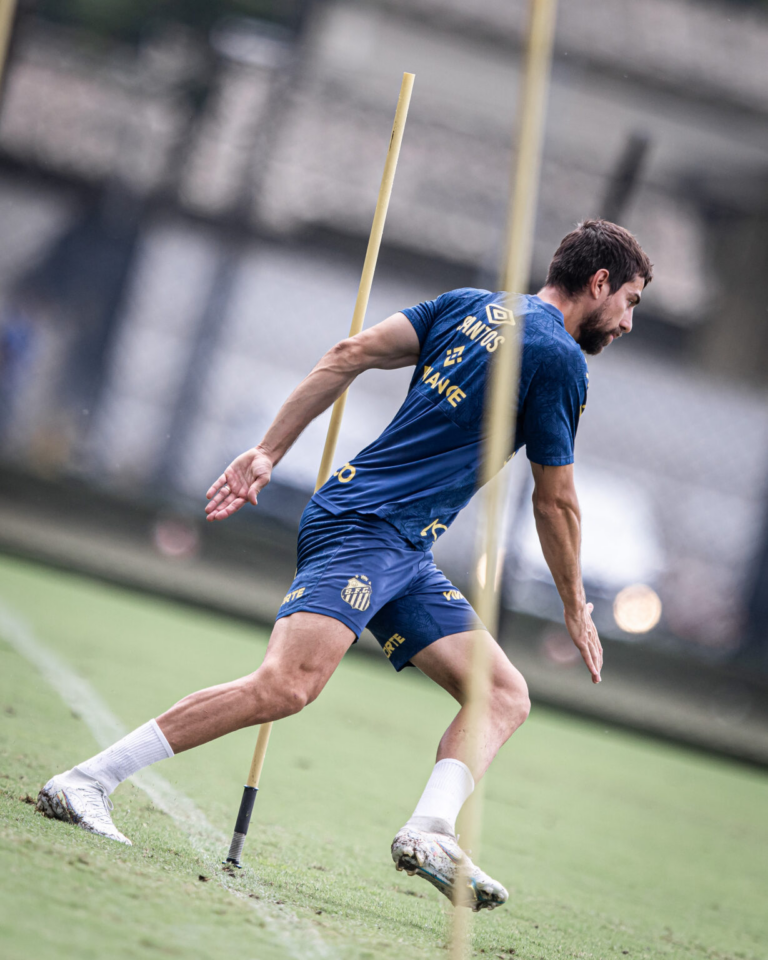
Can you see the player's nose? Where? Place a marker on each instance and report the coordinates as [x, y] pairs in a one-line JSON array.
[[626, 322]]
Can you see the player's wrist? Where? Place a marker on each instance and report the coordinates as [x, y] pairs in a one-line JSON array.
[[575, 606], [262, 450]]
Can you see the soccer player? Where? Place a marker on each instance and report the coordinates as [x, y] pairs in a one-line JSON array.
[[365, 538]]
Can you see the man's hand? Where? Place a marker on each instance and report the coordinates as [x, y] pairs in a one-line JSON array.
[[241, 483], [584, 635]]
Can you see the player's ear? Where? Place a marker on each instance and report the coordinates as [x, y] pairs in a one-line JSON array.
[[602, 283], [599, 284]]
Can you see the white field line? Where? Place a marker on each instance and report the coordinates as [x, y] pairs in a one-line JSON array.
[[80, 697]]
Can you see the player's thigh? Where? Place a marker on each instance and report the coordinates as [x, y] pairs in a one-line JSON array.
[[449, 660], [305, 648]]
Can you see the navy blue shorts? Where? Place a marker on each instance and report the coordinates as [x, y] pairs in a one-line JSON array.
[[360, 570]]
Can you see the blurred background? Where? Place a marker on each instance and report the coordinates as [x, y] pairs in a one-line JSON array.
[[186, 190]]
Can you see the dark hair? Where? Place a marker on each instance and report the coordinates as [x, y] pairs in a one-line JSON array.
[[596, 245]]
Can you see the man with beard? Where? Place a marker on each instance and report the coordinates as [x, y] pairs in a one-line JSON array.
[[364, 549]]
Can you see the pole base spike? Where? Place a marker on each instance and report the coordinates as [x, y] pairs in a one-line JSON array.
[[241, 826], [236, 849]]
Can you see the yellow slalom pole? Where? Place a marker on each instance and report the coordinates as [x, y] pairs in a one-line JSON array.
[[369, 266], [501, 402], [7, 10], [358, 317]]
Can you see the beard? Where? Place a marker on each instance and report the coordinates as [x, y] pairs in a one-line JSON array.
[[593, 337]]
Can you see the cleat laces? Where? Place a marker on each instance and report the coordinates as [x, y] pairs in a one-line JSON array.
[[98, 807]]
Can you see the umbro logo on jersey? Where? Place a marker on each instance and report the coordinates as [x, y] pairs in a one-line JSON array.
[[357, 592], [499, 315]]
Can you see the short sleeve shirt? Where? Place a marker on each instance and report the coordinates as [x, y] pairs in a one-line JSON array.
[[425, 466]]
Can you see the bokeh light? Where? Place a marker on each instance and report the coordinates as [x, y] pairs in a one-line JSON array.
[[637, 608], [176, 538]]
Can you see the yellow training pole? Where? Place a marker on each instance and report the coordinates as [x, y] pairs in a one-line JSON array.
[[369, 266], [501, 399], [7, 10], [358, 317]]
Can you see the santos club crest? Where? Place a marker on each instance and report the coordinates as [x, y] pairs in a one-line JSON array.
[[357, 593]]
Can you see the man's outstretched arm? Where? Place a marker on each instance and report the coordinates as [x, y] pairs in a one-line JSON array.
[[558, 522], [388, 345]]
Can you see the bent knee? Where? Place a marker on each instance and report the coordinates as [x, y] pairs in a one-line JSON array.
[[511, 698], [278, 695], [523, 707]]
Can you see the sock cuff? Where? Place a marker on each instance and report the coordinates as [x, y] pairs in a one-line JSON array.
[[143, 746], [448, 768], [162, 738], [449, 785]]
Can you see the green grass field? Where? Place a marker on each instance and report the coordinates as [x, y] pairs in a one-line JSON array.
[[610, 844]]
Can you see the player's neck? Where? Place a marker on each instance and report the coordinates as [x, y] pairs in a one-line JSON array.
[[571, 309]]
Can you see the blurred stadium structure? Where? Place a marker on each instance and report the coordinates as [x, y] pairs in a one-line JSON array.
[[184, 202]]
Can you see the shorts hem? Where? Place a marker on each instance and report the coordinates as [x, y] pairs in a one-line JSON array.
[[329, 506], [407, 663], [324, 612], [405, 660]]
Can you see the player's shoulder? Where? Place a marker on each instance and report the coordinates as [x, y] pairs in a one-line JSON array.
[[462, 296], [566, 347], [547, 340], [448, 305], [469, 292], [432, 319]]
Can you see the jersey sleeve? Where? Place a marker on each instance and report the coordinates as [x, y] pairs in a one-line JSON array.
[[556, 399], [423, 315]]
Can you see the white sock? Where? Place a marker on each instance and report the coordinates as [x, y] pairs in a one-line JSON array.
[[446, 791], [146, 745]]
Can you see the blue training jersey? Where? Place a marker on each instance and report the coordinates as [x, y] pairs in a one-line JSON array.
[[425, 466]]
